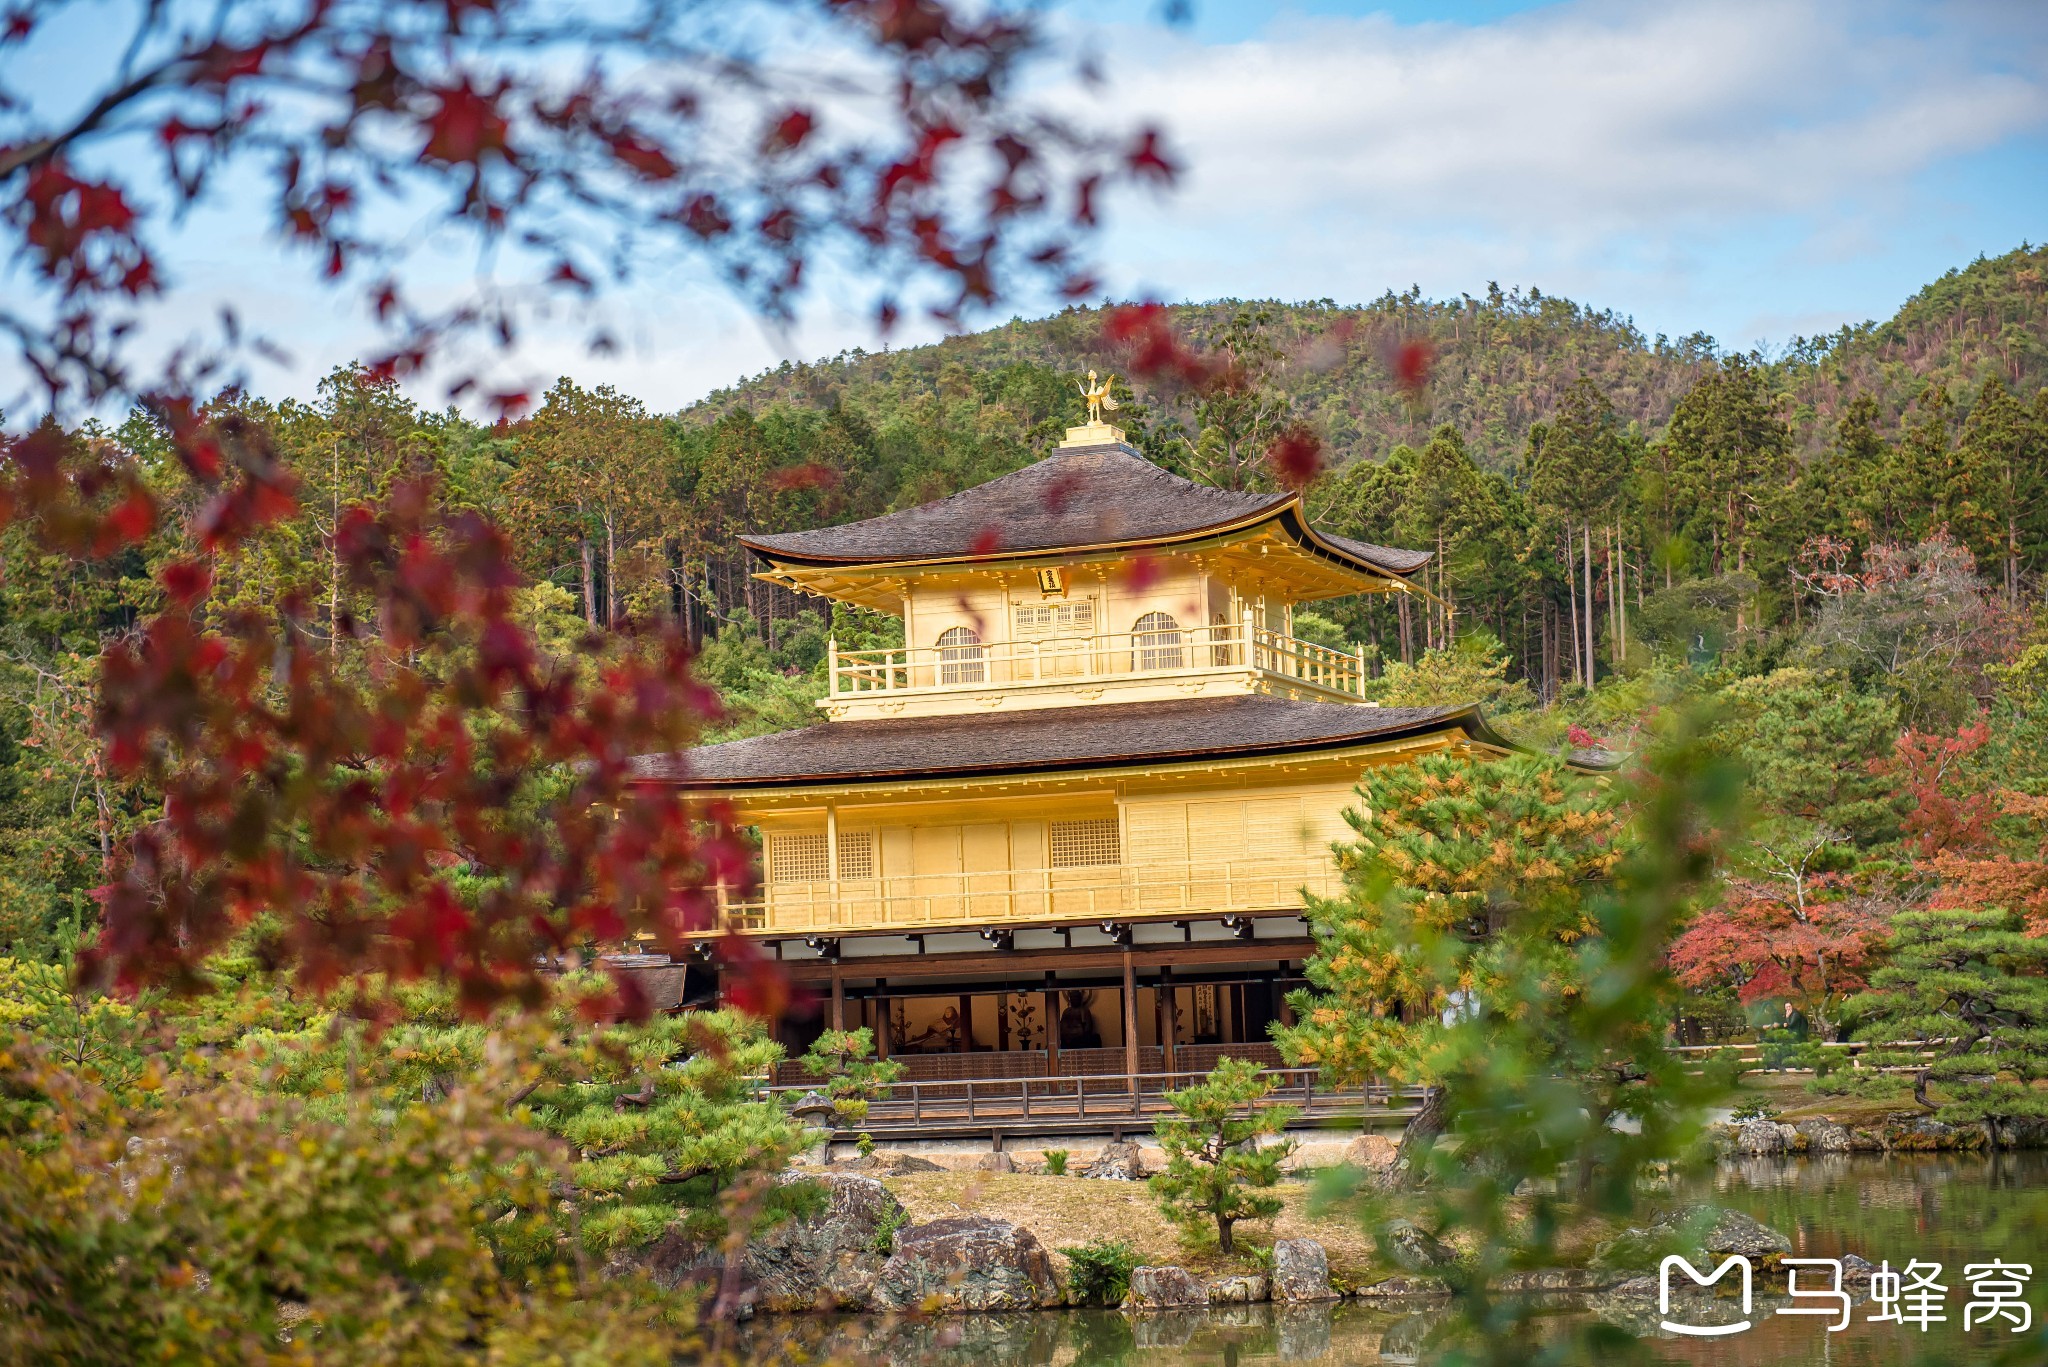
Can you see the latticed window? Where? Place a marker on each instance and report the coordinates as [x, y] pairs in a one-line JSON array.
[[1156, 639], [806, 857], [1083, 844], [798, 858], [856, 856], [1056, 619], [960, 656]]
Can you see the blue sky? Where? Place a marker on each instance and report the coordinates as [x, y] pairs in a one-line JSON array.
[[1749, 168]]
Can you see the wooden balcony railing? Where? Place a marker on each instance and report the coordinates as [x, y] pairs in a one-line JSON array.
[[1173, 652], [1012, 896]]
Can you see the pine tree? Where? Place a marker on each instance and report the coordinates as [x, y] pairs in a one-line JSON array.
[[1216, 1168], [1974, 979], [1467, 885]]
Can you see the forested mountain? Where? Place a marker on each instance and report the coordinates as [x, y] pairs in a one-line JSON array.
[[1500, 363]]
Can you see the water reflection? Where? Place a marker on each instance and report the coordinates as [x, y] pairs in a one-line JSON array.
[[1948, 1208]]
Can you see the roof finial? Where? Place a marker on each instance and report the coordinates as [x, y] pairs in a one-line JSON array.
[[1095, 432]]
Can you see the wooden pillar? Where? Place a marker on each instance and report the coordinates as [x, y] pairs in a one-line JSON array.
[[966, 1024], [1003, 1022], [881, 1019], [1130, 1020], [1052, 1027], [1164, 1003], [1286, 1007], [838, 1000]]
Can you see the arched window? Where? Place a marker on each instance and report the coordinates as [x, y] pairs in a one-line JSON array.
[[960, 656], [1156, 642]]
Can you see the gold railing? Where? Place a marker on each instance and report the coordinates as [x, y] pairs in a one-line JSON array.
[[1014, 896], [1177, 651]]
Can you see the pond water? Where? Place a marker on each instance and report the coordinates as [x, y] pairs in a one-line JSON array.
[[1951, 1209]]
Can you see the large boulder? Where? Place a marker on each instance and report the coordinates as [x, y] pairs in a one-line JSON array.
[[1239, 1290], [1165, 1288], [1119, 1162], [826, 1259], [997, 1161], [966, 1262], [1766, 1136], [1416, 1249], [1824, 1136], [1301, 1271], [1917, 1133], [1689, 1231]]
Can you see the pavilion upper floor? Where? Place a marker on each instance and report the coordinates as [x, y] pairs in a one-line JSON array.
[[1092, 576]]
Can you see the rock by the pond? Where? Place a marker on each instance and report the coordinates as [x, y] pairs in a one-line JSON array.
[[1690, 1230], [1765, 1136], [1824, 1136], [1547, 1279], [966, 1262], [1165, 1288], [1729, 1231], [1856, 1269], [827, 1259], [1240, 1290], [1403, 1288], [1301, 1271], [1917, 1133], [1416, 1249], [996, 1162], [1117, 1163]]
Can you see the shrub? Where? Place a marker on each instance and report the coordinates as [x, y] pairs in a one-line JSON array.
[[1099, 1272], [1056, 1162], [1216, 1169]]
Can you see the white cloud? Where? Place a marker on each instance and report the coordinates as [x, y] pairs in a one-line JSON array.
[[1698, 164], [1583, 120]]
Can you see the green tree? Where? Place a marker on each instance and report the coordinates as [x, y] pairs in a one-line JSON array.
[[1217, 1170], [1579, 471], [1806, 738], [853, 1076], [1730, 448], [1467, 879], [2003, 473], [1976, 981]]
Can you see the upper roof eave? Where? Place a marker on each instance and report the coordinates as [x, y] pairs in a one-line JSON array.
[[1176, 505]]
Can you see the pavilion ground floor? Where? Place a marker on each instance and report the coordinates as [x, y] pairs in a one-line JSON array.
[[1058, 1030]]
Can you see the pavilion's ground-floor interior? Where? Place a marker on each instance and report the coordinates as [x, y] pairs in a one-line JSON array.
[[1050, 1020]]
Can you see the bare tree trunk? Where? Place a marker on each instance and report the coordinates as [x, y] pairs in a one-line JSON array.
[[1407, 630], [611, 571], [1571, 595], [1586, 531], [589, 581]]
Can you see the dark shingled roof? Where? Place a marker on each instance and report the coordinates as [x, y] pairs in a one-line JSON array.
[[1086, 496], [1051, 738]]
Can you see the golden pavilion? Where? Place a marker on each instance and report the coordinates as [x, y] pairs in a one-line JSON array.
[[1064, 830]]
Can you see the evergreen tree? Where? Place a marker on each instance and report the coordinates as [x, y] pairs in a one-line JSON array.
[[1730, 448], [1977, 982], [1467, 881], [1216, 1168]]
